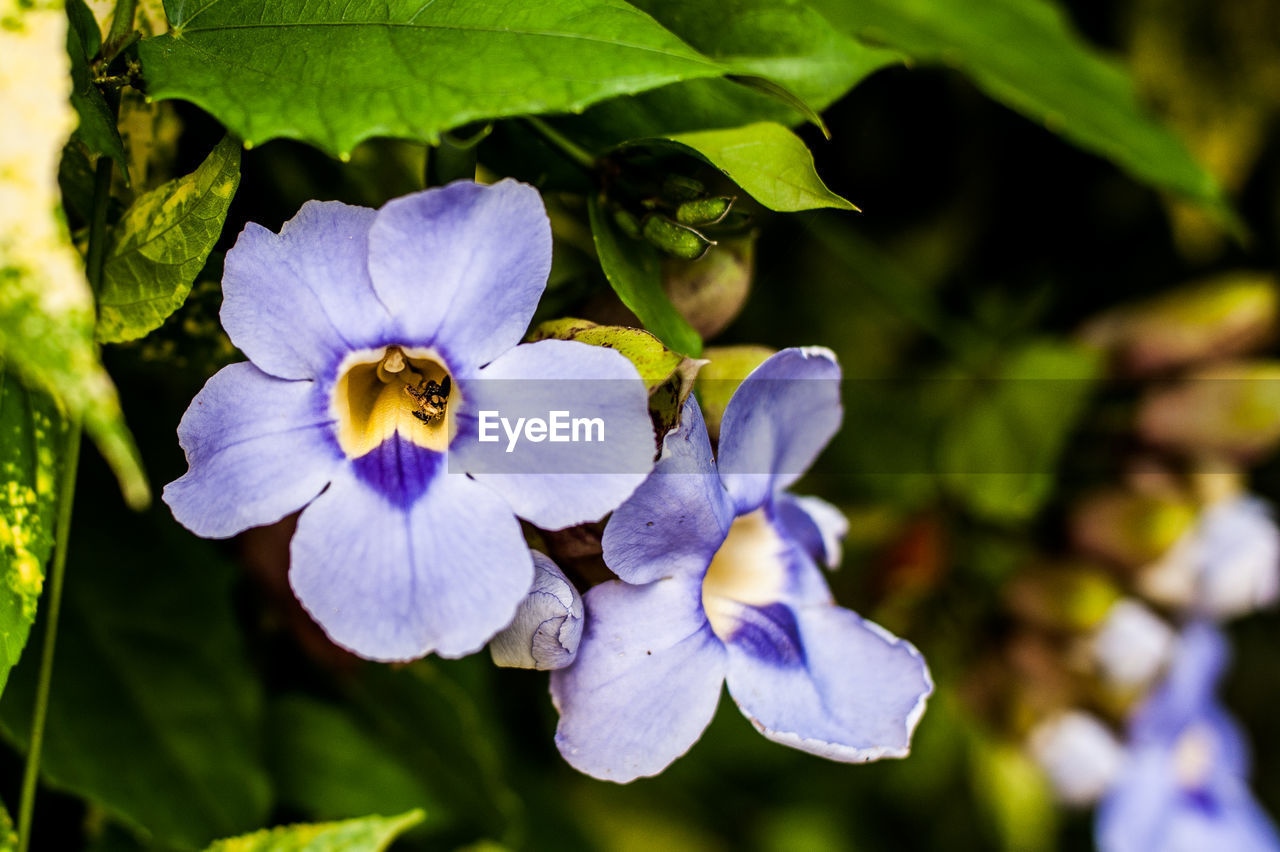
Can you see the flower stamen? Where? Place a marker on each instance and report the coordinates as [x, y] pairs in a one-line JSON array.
[[395, 390]]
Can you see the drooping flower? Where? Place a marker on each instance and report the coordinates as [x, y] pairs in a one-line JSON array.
[[720, 584], [1184, 785], [376, 339], [547, 626]]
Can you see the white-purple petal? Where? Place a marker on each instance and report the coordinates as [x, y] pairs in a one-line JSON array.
[[1079, 754], [297, 302], [813, 524], [391, 581], [674, 522], [603, 412], [548, 625], [462, 267], [646, 682], [258, 448], [827, 682], [777, 422]]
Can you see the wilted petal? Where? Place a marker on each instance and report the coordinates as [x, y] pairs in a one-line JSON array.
[[557, 483], [462, 267], [391, 581], [258, 448], [548, 624], [781, 416], [676, 520], [645, 684], [296, 302], [825, 681]]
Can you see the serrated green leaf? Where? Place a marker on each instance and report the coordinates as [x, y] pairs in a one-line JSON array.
[[768, 161], [999, 452], [154, 715], [97, 128], [31, 437], [655, 362], [46, 309], [328, 766], [161, 244], [1026, 55], [634, 271], [368, 834], [335, 74]]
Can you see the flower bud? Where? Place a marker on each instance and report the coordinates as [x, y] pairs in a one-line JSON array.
[[1227, 315], [1079, 754], [1226, 410], [547, 626], [674, 239], [1132, 645], [710, 292]]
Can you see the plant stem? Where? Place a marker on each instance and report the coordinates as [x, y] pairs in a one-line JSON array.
[[561, 142], [66, 497], [97, 253], [121, 26]]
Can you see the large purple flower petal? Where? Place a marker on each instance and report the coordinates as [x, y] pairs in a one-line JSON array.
[[645, 684], [776, 423], [462, 267], [258, 448], [395, 582], [296, 302], [551, 483], [676, 520], [823, 680]]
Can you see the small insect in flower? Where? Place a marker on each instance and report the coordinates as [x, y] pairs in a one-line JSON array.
[[429, 399]]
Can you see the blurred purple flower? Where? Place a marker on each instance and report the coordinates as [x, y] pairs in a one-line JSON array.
[[374, 338], [720, 583], [1184, 787]]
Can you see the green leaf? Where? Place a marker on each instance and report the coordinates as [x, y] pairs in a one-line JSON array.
[[787, 43], [97, 128], [335, 74], [1026, 55], [161, 244], [998, 454], [634, 270], [768, 161], [33, 435], [327, 765], [655, 362], [46, 309], [154, 714], [439, 725], [368, 834], [8, 836]]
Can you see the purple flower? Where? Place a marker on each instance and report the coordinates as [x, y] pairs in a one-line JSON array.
[[375, 340], [720, 583], [1184, 783]]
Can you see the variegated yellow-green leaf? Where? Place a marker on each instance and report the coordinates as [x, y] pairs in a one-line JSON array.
[[46, 309], [367, 834], [161, 244], [653, 361], [31, 435]]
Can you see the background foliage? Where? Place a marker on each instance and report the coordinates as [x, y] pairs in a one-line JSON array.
[[1020, 168]]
